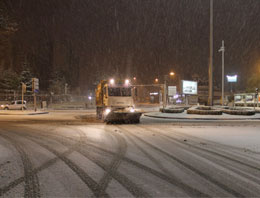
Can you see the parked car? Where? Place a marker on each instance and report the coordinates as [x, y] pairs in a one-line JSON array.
[[15, 105]]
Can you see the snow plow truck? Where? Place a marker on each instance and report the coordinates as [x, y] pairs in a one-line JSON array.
[[114, 102]]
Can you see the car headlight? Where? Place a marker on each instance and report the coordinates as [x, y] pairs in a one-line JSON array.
[[107, 111]]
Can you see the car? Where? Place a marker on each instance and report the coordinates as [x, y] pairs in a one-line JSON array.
[[15, 105]]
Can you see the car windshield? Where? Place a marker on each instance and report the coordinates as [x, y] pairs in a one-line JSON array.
[[237, 98], [123, 91], [249, 98]]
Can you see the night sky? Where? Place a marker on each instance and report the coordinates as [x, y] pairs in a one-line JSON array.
[[88, 40]]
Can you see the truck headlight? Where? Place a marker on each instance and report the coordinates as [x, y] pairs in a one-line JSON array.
[[107, 111], [132, 110]]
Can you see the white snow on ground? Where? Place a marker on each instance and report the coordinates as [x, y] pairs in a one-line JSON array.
[[194, 116], [240, 136], [64, 115], [247, 137]]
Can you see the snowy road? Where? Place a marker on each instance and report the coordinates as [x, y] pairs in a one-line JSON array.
[[145, 160]]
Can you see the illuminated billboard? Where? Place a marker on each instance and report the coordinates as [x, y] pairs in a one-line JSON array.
[[189, 87], [232, 78]]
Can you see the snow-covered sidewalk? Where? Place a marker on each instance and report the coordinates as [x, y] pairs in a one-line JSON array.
[[25, 112], [184, 115]]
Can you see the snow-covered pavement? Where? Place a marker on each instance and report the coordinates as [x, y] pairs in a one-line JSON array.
[[152, 159], [186, 116]]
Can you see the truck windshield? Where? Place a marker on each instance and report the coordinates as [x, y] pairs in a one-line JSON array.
[[126, 91], [119, 91]]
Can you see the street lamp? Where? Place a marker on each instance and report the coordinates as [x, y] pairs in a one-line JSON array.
[[156, 80], [222, 49], [211, 87]]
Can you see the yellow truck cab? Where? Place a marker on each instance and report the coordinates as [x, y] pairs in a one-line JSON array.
[[114, 102]]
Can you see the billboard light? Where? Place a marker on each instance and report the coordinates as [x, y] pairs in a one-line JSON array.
[[232, 78]]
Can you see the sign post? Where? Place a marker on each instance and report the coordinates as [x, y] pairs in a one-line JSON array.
[[165, 92], [222, 49], [232, 79], [256, 97], [35, 89], [23, 91]]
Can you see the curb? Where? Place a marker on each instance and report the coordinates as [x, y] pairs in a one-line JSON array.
[[181, 118], [37, 113], [16, 114]]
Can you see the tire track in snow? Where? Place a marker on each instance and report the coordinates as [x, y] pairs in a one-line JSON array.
[[94, 187], [175, 181], [128, 185], [31, 187], [123, 180], [116, 161], [246, 177], [188, 166], [35, 171], [206, 150]]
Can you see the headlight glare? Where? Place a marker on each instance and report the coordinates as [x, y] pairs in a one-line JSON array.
[[107, 111], [132, 110]]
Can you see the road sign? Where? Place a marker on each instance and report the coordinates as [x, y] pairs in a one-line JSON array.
[[172, 90], [35, 84], [189, 87]]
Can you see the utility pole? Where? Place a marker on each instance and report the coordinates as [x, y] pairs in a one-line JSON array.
[[165, 95], [210, 99], [35, 89], [222, 49], [23, 91]]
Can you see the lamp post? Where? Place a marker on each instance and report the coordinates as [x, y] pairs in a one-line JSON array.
[[210, 99], [23, 91], [222, 49]]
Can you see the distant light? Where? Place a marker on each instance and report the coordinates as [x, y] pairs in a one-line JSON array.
[[232, 78], [156, 80], [89, 97], [134, 78], [112, 81], [178, 101], [127, 82], [172, 73]]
